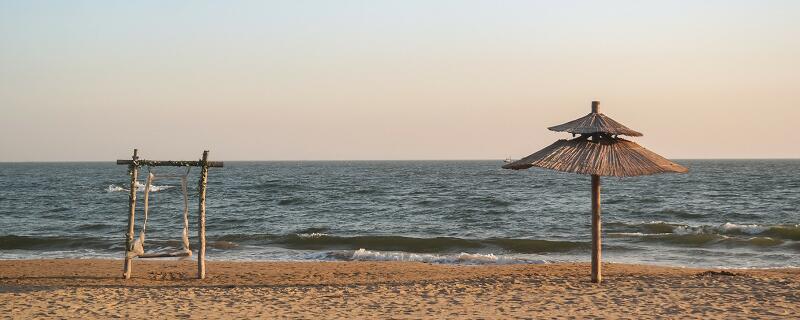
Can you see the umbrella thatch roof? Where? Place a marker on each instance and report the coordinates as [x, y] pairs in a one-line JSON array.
[[593, 123], [605, 157]]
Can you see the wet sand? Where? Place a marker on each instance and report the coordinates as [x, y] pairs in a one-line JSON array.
[[380, 290]]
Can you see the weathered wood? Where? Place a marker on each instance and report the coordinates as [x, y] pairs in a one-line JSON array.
[[605, 156], [134, 172], [596, 122], [163, 255], [171, 163], [597, 275], [201, 219], [133, 168]]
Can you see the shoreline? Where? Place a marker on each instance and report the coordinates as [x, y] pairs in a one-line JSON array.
[[94, 288]]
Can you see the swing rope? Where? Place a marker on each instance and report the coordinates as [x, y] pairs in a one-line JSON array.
[[138, 244]]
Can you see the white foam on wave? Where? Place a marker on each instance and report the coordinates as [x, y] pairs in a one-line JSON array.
[[635, 234], [745, 228], [115, 188], [684, 230], [139, 187], [728, 227], [461, 258], [312, 235]]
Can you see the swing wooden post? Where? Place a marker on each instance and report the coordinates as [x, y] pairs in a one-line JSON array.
[[201, 218], [133, 167]]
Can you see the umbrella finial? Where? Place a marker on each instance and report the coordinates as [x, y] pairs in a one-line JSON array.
[[595, 106]]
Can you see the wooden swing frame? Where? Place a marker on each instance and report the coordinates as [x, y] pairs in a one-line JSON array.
[[133, 168]]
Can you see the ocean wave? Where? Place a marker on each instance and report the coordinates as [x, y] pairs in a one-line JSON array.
[[313, 230], [223, 245], [699, 239], [312, 235], [784, 232], [460, 258], [706, 240], [679, 214], [728, 234], [139, 188], [324, 241], [743, 228], [632, 234], [14, 242]]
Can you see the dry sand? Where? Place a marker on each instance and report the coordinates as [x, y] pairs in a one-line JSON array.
[[380, 290]]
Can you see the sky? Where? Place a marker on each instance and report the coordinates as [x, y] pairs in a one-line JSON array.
[[392, 80]]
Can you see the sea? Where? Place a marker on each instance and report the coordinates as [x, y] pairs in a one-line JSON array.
[[723, 213]]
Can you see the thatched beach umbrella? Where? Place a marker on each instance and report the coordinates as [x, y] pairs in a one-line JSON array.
[[598, 151]]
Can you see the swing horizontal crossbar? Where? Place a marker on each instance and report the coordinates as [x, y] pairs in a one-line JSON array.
[[170, 163]]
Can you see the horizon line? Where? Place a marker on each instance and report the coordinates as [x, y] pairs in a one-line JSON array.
[[364, 160]]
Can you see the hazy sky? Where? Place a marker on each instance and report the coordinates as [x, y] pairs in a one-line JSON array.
[[272, 80]]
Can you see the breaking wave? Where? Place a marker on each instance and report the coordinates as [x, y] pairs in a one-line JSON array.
[[459, 258], [323, 241], [15, 242], [726, 234]]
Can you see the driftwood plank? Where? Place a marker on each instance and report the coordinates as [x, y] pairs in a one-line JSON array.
[[171, 163]]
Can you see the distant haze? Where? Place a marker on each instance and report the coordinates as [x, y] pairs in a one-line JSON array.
[[277, 80]]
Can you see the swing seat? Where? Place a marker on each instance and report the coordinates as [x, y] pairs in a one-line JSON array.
[[137, 249], [174, 254], [138, 252]]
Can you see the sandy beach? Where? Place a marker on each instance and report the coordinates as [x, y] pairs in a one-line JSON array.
[[166, 289]]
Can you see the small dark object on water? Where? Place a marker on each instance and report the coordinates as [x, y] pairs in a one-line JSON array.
[[717, 273]]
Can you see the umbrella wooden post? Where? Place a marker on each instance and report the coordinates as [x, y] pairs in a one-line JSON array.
[[134, 171], [201, 219], [597, 275]]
